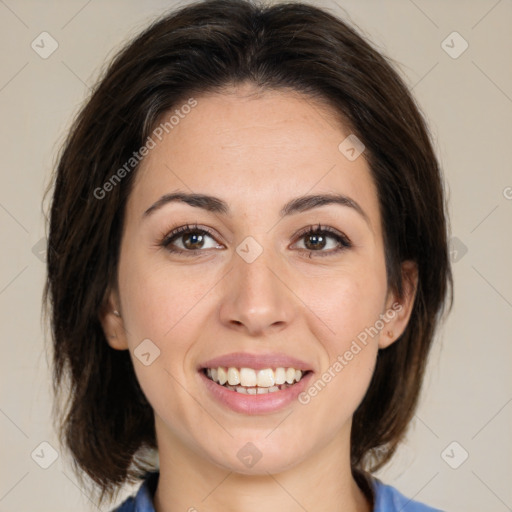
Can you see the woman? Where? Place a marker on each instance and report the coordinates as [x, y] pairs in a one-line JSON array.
[[248, 262]]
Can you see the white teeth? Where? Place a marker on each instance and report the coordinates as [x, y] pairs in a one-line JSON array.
[[250, 381], [233, 376], [266, 378], [222, 376], [248, 377], [290, 375], [280, 376]]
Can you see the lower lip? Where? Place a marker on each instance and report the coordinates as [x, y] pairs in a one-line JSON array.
[[255, 404]]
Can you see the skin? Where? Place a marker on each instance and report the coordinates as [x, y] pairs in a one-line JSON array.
[[256, 152]]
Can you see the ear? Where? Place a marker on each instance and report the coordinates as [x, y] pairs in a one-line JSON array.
[[398, 309], [112, 322]]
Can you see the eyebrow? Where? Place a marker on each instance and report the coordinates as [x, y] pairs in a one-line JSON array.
[[297, 205]]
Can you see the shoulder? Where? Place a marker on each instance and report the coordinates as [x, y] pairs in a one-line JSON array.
[[389, 499], [143, 500], [127, 506]]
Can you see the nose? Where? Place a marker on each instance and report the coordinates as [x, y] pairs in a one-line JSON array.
[[258, 298]]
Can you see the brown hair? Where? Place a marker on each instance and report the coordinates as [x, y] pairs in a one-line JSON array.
[[200, 48]]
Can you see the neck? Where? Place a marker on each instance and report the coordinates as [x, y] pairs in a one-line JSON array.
[[189, 481]]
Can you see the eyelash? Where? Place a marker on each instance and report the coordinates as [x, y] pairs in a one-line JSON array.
[[167, 239]]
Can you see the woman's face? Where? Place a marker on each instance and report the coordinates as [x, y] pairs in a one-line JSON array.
[[257, 283]]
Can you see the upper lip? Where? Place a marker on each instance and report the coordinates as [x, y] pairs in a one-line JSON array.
[[256, 361]]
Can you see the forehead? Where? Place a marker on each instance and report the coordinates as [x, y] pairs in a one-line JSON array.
[[253, 148]]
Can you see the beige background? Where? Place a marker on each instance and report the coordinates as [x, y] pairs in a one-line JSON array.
[[468, 101]]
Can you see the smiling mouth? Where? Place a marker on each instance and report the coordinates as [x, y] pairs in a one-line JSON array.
[[255, 382]]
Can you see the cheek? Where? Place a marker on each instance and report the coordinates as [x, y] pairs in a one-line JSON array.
[[157, 297], [350, 306], [346, 304], [163, 304], [159, 304], [347, 309]]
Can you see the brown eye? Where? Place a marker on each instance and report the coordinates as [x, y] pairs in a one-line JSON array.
[[317, 239], [193, 241], [190, 239]]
